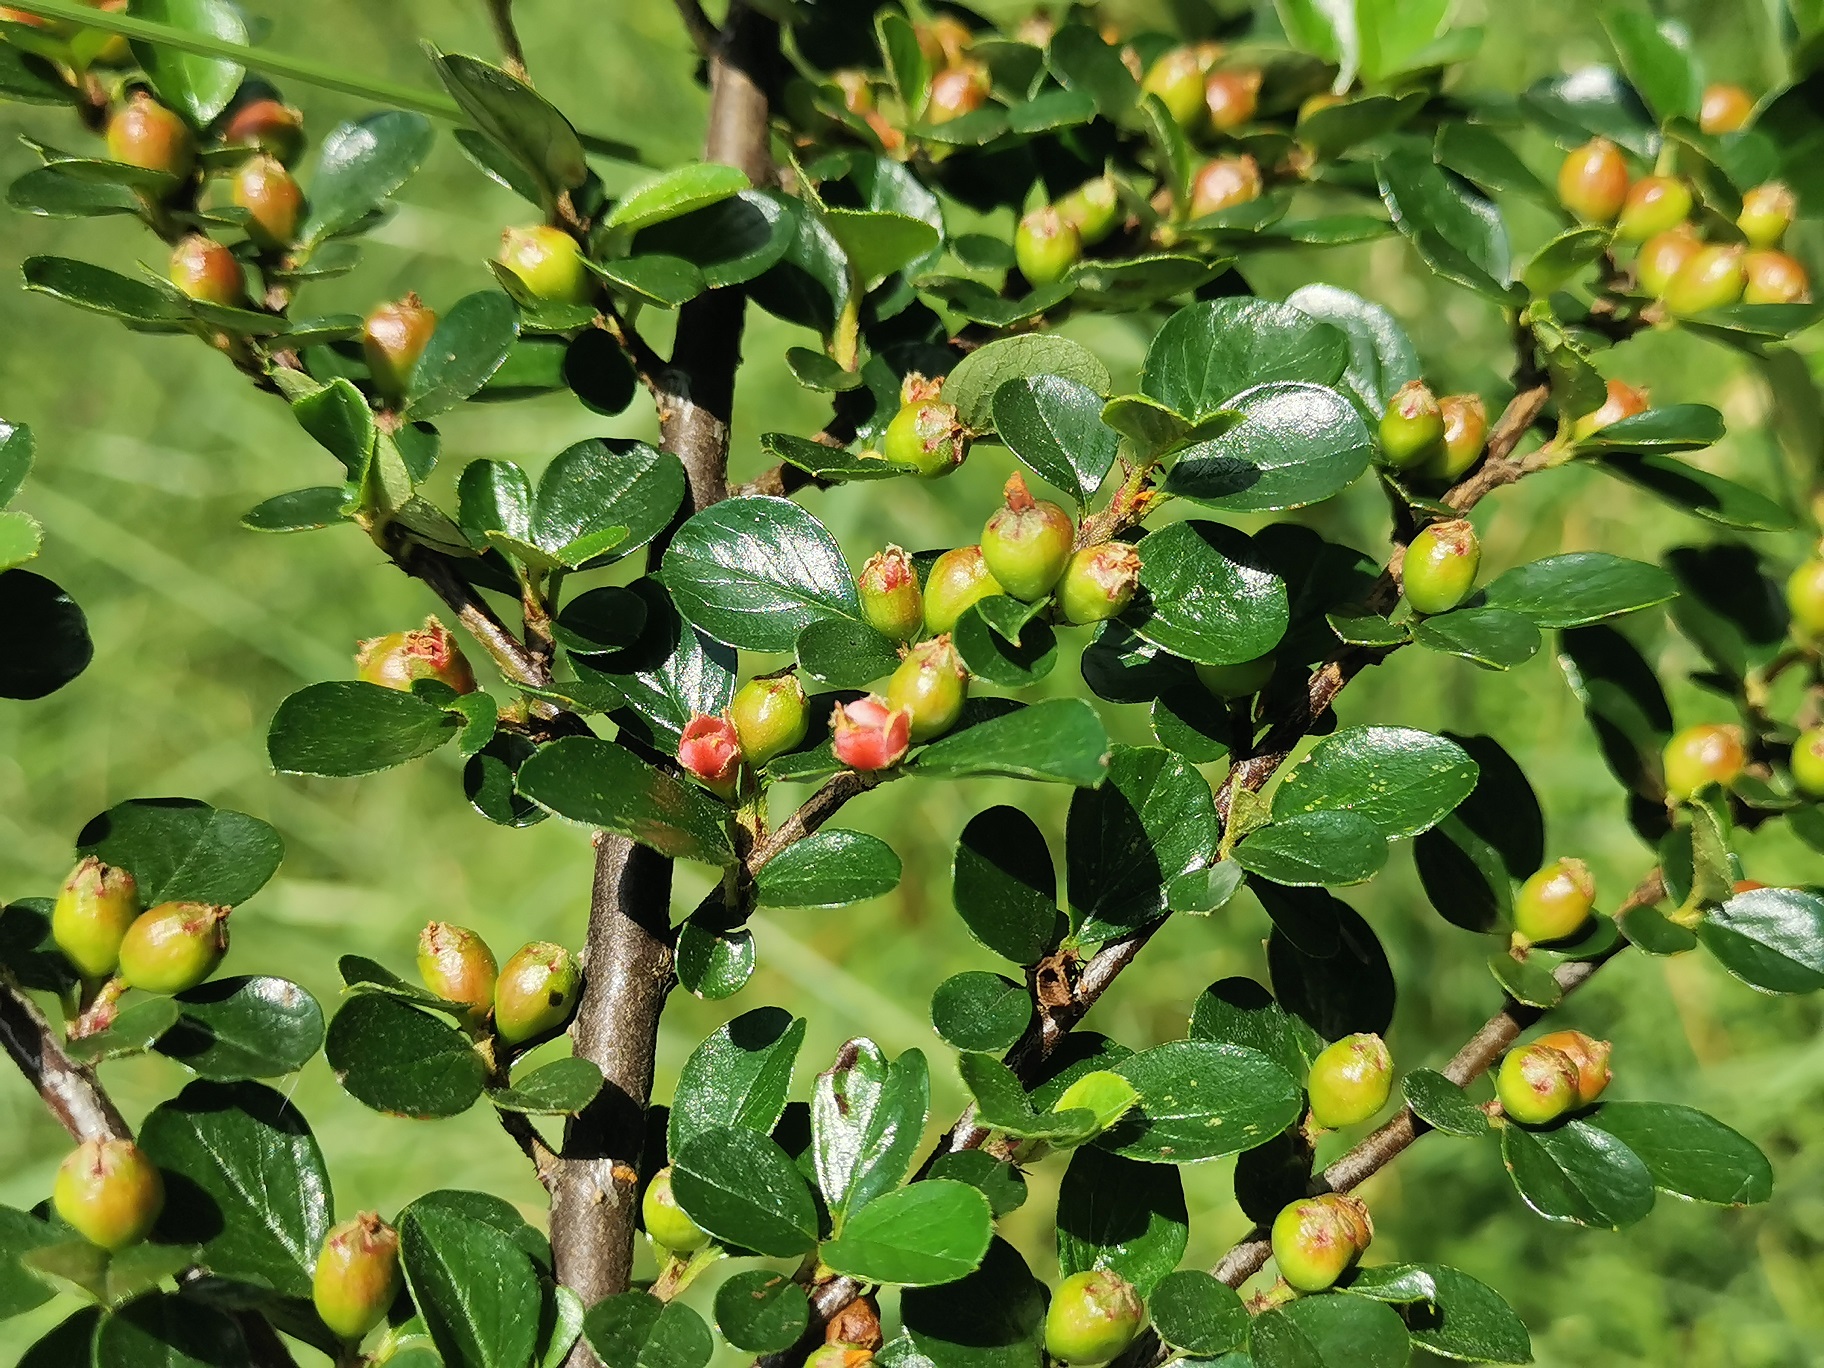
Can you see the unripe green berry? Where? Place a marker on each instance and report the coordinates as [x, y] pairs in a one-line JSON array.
[[456, 964], [1027, 542], [1093, 1316], [1440, 567], [1317, 1240], [357, 1276], [1702, 755], [839, 1356], [926, 433], [173, 947], [275, 128], [1713, 278], [770, 717], [956, 91], [1223, 183], [1774, 278], [142, 132], [207, 271], [1724, 109], [536, 993], [1537, 1084], [1243, 680], [1093, 209], [1664, 255], [1231, 97], [1555, 902], [1465, 434], [1805, 599], [930, 686], [1177, 78], [393, 337], [959, 579], [1807, 762], [665, 1220], [1046, 245], [1589, 1057], [1767, 212], [94, 909], [109, 1192], [272, 199], [1350, 1081], [1098, 582], [548, 261], [1655, 204], [399, 659], [1593, 181], [1621, 400], [1412, 428], [891, 600]]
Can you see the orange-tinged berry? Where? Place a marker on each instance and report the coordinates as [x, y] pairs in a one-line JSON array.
[[1767, 212], [398, 660], [1555, 902], [959, 579], [1702, 755], [1232, 96], [1713, 278], [1663, 255], [1655, 204], [1774, 278], [956, 91], [456, 964], [1593, 181], [393, 337], [1725, 109], [1537, 1084], [142, 132], [1223, 183], [270, 125], [1412, 428], [1465, 434], [272, 199], [109, 1192], [1620, 400], [207, 271], [1590, 1058], [357, 1276]]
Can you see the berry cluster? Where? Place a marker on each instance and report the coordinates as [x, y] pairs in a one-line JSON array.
[[529, 999]]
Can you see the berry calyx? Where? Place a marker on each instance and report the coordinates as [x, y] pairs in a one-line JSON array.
[[1620, 400], [665, 1220], [1232, 97], [1767, 212], [1350, 1081], [143, 133], [1098, 582], [1045, 246], [1588, 1056], [930, 687], [959, 579], [926, 433], [1774, 278], [1655, 204], [207, 271], [1664, 255], [272, 199], [1713, 278], [94, 909], [1805, 598], [956, 91], [868, 735], [857, 90], [1537, 1084], [1026, 542], [1593, 181], [1237, 681], [1412, 428], [1093, 209], [856, 1326], [357, 1276], [1093, 1316], [456, 964], [710, 749], [536, 992], [549, 263], [1317, 1240], [173, 947], [1440, 567], [1806, 763], [399, 659], [839, 1356], [109, 1192], [1177, 78], [891, 600], [1223, 183], [393, 337], [770, 717], [270, 125], [1465, 434], [943, 39], [1724, 109], [1702, 755], [1555, 902]]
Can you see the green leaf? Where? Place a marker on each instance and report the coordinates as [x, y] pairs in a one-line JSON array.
[[1140, 282], [299, 510], [1239, 1011], [183, 850], [1001, 1103], [1697, 491], [1677, 427], [595, 485], [1295, 444], [1494, 638], [561, 1088], [714, 959], [1329, 1332], [1000, 643], [470, 343], [977, 1010], [27, 78], [246, 1180], [1478, 153], [1121, 1214], [729, 242], [20, 1233], [1405, 781], [134, 302], [1458, 232], [16, 448], [1312, 848], [1623, 700], [599, 783], [1579, 588], [1210, 595], [1459, 1317], [51, 629], [1658, 61], [761, 1312], [743, 1189], [476, 1290], [20, 538], [1594, 101], [495, 1212], [1336, 976], [931, 1232], [1195, 1313], [903, 60], [1689, 1153], [637, 1330], [1055, 426], [830, 462], [845, 654], [830, 868], [245, 1027], [738, 1077], [878, 243], [971, 387], [815, 371], [1199, 1100], [114, 1279], [394, 1058], [343, 727], [516, 117], [998, 1180], [1578, 1173], [338, 417], [1770, 938], [1080, 60], [666, 281], [1443, 1105], [755, 572], [1151, 821], [133, 1032], [1004, 886], [1529, 981], [1208, 353], [867, 1117], [675, 192], [993, 1318], [198, 87], [1172, 150], [1060, 739], [362, 165], [1381, 356], [667, 675], [165, 1330]]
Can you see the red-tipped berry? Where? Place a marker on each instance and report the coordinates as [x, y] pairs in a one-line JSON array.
[[548, 262], [1807, 762], [393, 337], [956, 91], [173, 947], [1027, 541], [109, 1192], [275, 128], [1441, 564], [1805, 598], [1318, 1239], [142, 132], [1593, 181], [1098, 582], [536, 992], [1588, 1056], [399, 659], [1412, 428], [1224, 182], [959, 579], [1555, 902], [665, 1220], [770, 717], [1537, 1084], [1465, 434], [357, 1276], [930, 687], [1177, 78], [1231, 97], [1093, 209], [1767, 212], [95, 907], [926, 433], [1774, 278], [1655, 204], [1093, 1316], [1664, 255], [867, 735], [710, 748], [1350, 1081], [456, 964], [1713, 278], [272, 199], [1620, 400], [207, 271], [891, 600], [1046, 245], [1702, 755], [1725, 109]]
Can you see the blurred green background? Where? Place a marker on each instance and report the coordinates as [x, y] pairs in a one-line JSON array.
[[150, 449]]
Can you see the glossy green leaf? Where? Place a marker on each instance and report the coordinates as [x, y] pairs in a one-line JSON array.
[[1658, 61], [867, 1117], [517, 118], [111, 1279], [1194, 1312], [666, 281], [1494, 638], [1209, 595], [1060, 739], [1340, 984], [1055, 426], [738, 1077], [342, 728], [997, 1179], [755, 572], [1329, 1332], [338, 417], [165, 1330], [743, 1189], [977, 1010], [830, 462], [1002, 1103], [1495, 838], [1690, 1153], [134, 302], [637, 1330], [298, 510], [245, 1027], [1478, 153], [1576, 1172], [134, 1031], [932, 1232], [675, 192], [1673, 428], [495, 1212], [599, 484], [878, 243], [1381, 356], [183, 850], [1457, 231], [1594, 102], [993, 1318], [714, 959], [990, 654], [1578, 588], [198, 87], [830, 868], [1771, 938], [52, 631], [1004, 886], [1458, 1317], [1239, 1011], [1403, 780], [597, 782], [728, 243], [845, 654], [1153, 819], [1208, 353], [561, 1088], [1622, 698], [1443, 1105], [392, 1057], [1295, 444], [361, 165], [50, 193], [1697, 491], [1312, 848], [761, 1312], [477, 1291], [971, 387], [1199, 1099], [470, 343], [1121, 1214]]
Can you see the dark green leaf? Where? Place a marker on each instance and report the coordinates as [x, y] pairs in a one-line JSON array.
[[395, 1058], [971, 387], [663, 280], [1060, 739], [1121, 1214], [51, 636], [1456, 230], [476, 1290], [675, 192], [1239, 1011], [1658, 61], [668, 675], [1443, 1105], [1381, 356], [738, 1077], [932, 1232], [597, 782], [993, 1318], [992, 654], [1696, 491], [235, 1028], [518, 119], [1004, 885], [165, 1330], [831, 868], [112, 1279], [20, 1233], [1578, 1173], [1308, 849], [830, 462], [338, 417], [199, 87], [51, 193], [1055, 426], [343, 727], [743, 1189], [1209, 595], [182, 850], [714, 958], [845, 654], [1461, 1318], [1195, 1313], [1561, 258], [1001, 1102], [755, 572], [637, 1330], [1151, 821], [1296, 444], [361, 165], [1594, 101], [1529, 981], [761, 1312], [134, 1031], [300, 510], [728, 243], [493, 1211], [1341, 987], [1403, 780], [561, 1088], [1690, 1153], [134, 302], [1208, 353], [471, 343], [602, 483], [1492, 637], [977, 1010], [1480, 154], [997, 1179], [1329, 1332], [1772, 938], [1623, 700], [1199, 1099]]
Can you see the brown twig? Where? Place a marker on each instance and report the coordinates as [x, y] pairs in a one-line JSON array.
[[813, 813], [703, 33], [500, 15], [69, 1090]]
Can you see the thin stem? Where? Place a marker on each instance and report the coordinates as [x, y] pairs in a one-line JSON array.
[[703, 33], [68, 1089], [500, 15]]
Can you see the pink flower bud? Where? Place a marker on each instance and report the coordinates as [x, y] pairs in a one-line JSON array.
[[869, 735], [710, 748]]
